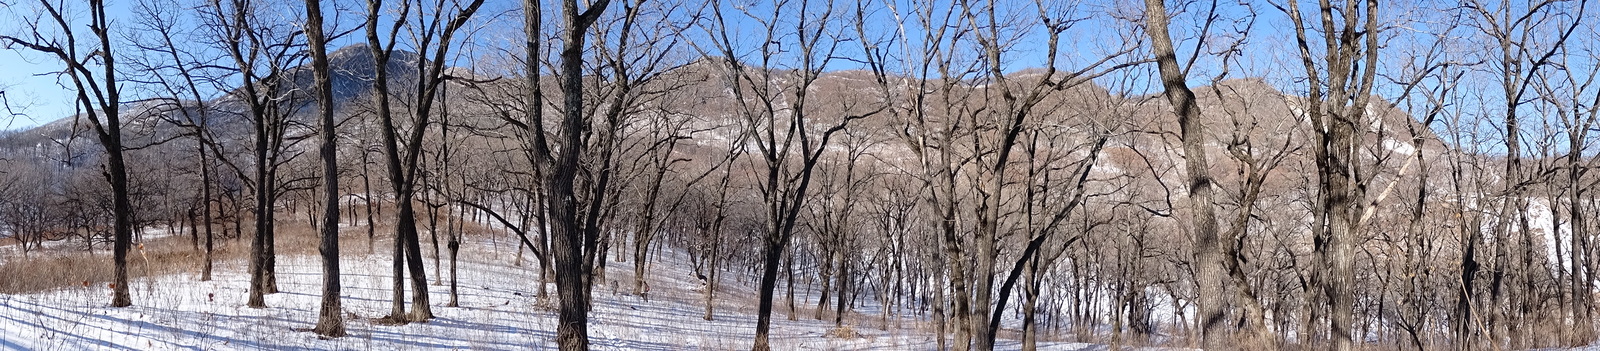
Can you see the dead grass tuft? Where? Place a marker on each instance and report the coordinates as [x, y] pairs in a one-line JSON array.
[[842, 332], [545, 304], [391, 321]]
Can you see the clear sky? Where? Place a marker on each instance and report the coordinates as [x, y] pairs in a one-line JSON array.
[[35, 96], [34, 99]]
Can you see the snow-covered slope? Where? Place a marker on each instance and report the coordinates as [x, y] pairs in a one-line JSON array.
[[498, 311]]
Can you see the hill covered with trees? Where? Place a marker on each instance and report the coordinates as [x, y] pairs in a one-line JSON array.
[[1248, 175]]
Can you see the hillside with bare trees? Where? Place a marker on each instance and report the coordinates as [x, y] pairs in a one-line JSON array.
[[866, 174]]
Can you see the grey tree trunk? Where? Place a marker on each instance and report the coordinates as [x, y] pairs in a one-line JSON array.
[[1207, 248], [1336, 109]]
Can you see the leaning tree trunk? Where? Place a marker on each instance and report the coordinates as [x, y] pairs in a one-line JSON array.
[[1208, 249]]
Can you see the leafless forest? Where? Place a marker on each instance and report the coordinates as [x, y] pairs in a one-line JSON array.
[[1279, 174]]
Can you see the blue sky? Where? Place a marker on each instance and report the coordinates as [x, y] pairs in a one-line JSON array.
[[35, 94], [41, 98], [37, 97]]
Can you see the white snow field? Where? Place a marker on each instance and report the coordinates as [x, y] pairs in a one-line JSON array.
[[498, 311]]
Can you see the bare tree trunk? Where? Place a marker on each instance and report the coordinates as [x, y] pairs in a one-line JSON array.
[[455, 249], [568, 241], [433, 231], [825, 277], [366, 186], [205, 186], [330, 322], [1337, 113], [844, 286], [941, 326], [647, 224], [1583, 329], [788, 274], [769, 282], [1207, 247], [1030, 306], [263, 211]]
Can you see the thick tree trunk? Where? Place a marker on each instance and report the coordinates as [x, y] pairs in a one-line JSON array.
[[769, 284], [711, 285], [956, 261], [985, 253], [331, 318], [397, 299], [825, 277], [263, 212], [541, 215], [1582, 322], [1208, 257], [421, 310], [567, 236], [122, 217]]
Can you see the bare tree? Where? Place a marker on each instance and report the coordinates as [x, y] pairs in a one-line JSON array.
[[181, 78], [1567, 92], [402, 164], [263, 51], [770, 96], [89, 61], [1520, 58], [558, 162], [1208, 249], [1339, 89]]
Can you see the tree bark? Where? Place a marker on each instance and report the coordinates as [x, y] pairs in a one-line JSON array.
[[330, 322], [567, 236], [1208, 256]]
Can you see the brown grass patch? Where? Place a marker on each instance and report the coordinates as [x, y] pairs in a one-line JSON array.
[[44, 270], [842, 332]]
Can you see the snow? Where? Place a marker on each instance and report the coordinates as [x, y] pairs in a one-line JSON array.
[[1399, 147], [498, 311]]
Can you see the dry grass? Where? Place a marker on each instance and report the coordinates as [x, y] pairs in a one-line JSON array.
[[49, 269], [28, 275], [842, 332]]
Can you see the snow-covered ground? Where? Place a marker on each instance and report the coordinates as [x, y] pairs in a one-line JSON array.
[[498, 312]]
